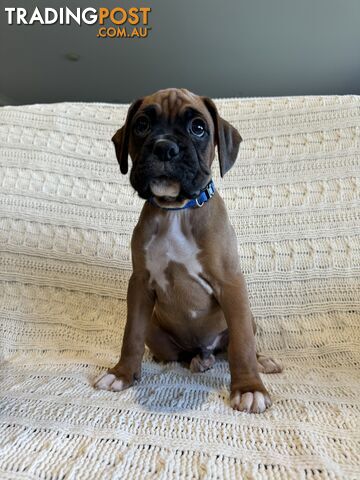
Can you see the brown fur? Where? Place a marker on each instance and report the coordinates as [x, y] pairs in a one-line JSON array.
[[191, 316]]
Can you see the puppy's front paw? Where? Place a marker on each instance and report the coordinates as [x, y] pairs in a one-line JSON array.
[[250, 402], [109, 381]]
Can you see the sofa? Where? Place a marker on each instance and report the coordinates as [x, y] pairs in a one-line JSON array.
[[66, 218]]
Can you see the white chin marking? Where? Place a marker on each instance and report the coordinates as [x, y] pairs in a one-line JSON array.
[[165, 188]]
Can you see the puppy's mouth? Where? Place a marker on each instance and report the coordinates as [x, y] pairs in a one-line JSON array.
[[165, 188]]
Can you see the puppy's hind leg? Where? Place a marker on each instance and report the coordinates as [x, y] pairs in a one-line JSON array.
[[202, 362], [268, 364], [206, 359], [161, 344]]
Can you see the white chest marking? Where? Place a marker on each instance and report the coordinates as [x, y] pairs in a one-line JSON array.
[[173, 245]]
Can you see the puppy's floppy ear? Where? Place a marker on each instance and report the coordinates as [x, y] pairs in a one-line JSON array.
[[227, 138], [121, 137]]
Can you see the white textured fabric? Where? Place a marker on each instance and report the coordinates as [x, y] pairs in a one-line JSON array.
[[66, 216]]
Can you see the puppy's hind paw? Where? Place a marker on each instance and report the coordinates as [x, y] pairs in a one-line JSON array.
[[199, 364], [268, 364]]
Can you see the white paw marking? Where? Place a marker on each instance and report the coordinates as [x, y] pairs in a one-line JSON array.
[[268, 365], [108, 381], [251, 402]]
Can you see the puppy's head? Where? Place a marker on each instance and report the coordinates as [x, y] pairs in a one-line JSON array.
[[171, 138]]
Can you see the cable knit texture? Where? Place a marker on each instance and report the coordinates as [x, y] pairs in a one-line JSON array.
[[66, 217]]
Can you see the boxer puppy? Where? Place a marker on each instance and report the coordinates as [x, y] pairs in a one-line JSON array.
[[187, 298]]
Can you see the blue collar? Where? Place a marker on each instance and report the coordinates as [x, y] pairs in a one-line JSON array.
[[205, 195]]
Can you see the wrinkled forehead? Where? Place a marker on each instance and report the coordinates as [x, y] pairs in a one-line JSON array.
[[174, 103]]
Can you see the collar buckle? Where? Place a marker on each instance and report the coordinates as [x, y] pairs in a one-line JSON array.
[[210, 190]]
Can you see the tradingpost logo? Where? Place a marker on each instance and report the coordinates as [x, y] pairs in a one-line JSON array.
[[117, 22]]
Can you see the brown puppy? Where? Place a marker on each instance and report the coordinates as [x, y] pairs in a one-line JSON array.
[[187, 297]]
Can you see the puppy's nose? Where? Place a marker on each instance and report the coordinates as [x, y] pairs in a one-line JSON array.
[[165, 149]]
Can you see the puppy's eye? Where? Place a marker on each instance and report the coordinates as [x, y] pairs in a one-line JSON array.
[[142, 125], [198, 127]]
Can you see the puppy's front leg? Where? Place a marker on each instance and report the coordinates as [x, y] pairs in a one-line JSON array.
[[140, 304], [247, 389]]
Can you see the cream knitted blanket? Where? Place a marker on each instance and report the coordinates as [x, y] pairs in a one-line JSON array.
[[66, 216]]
